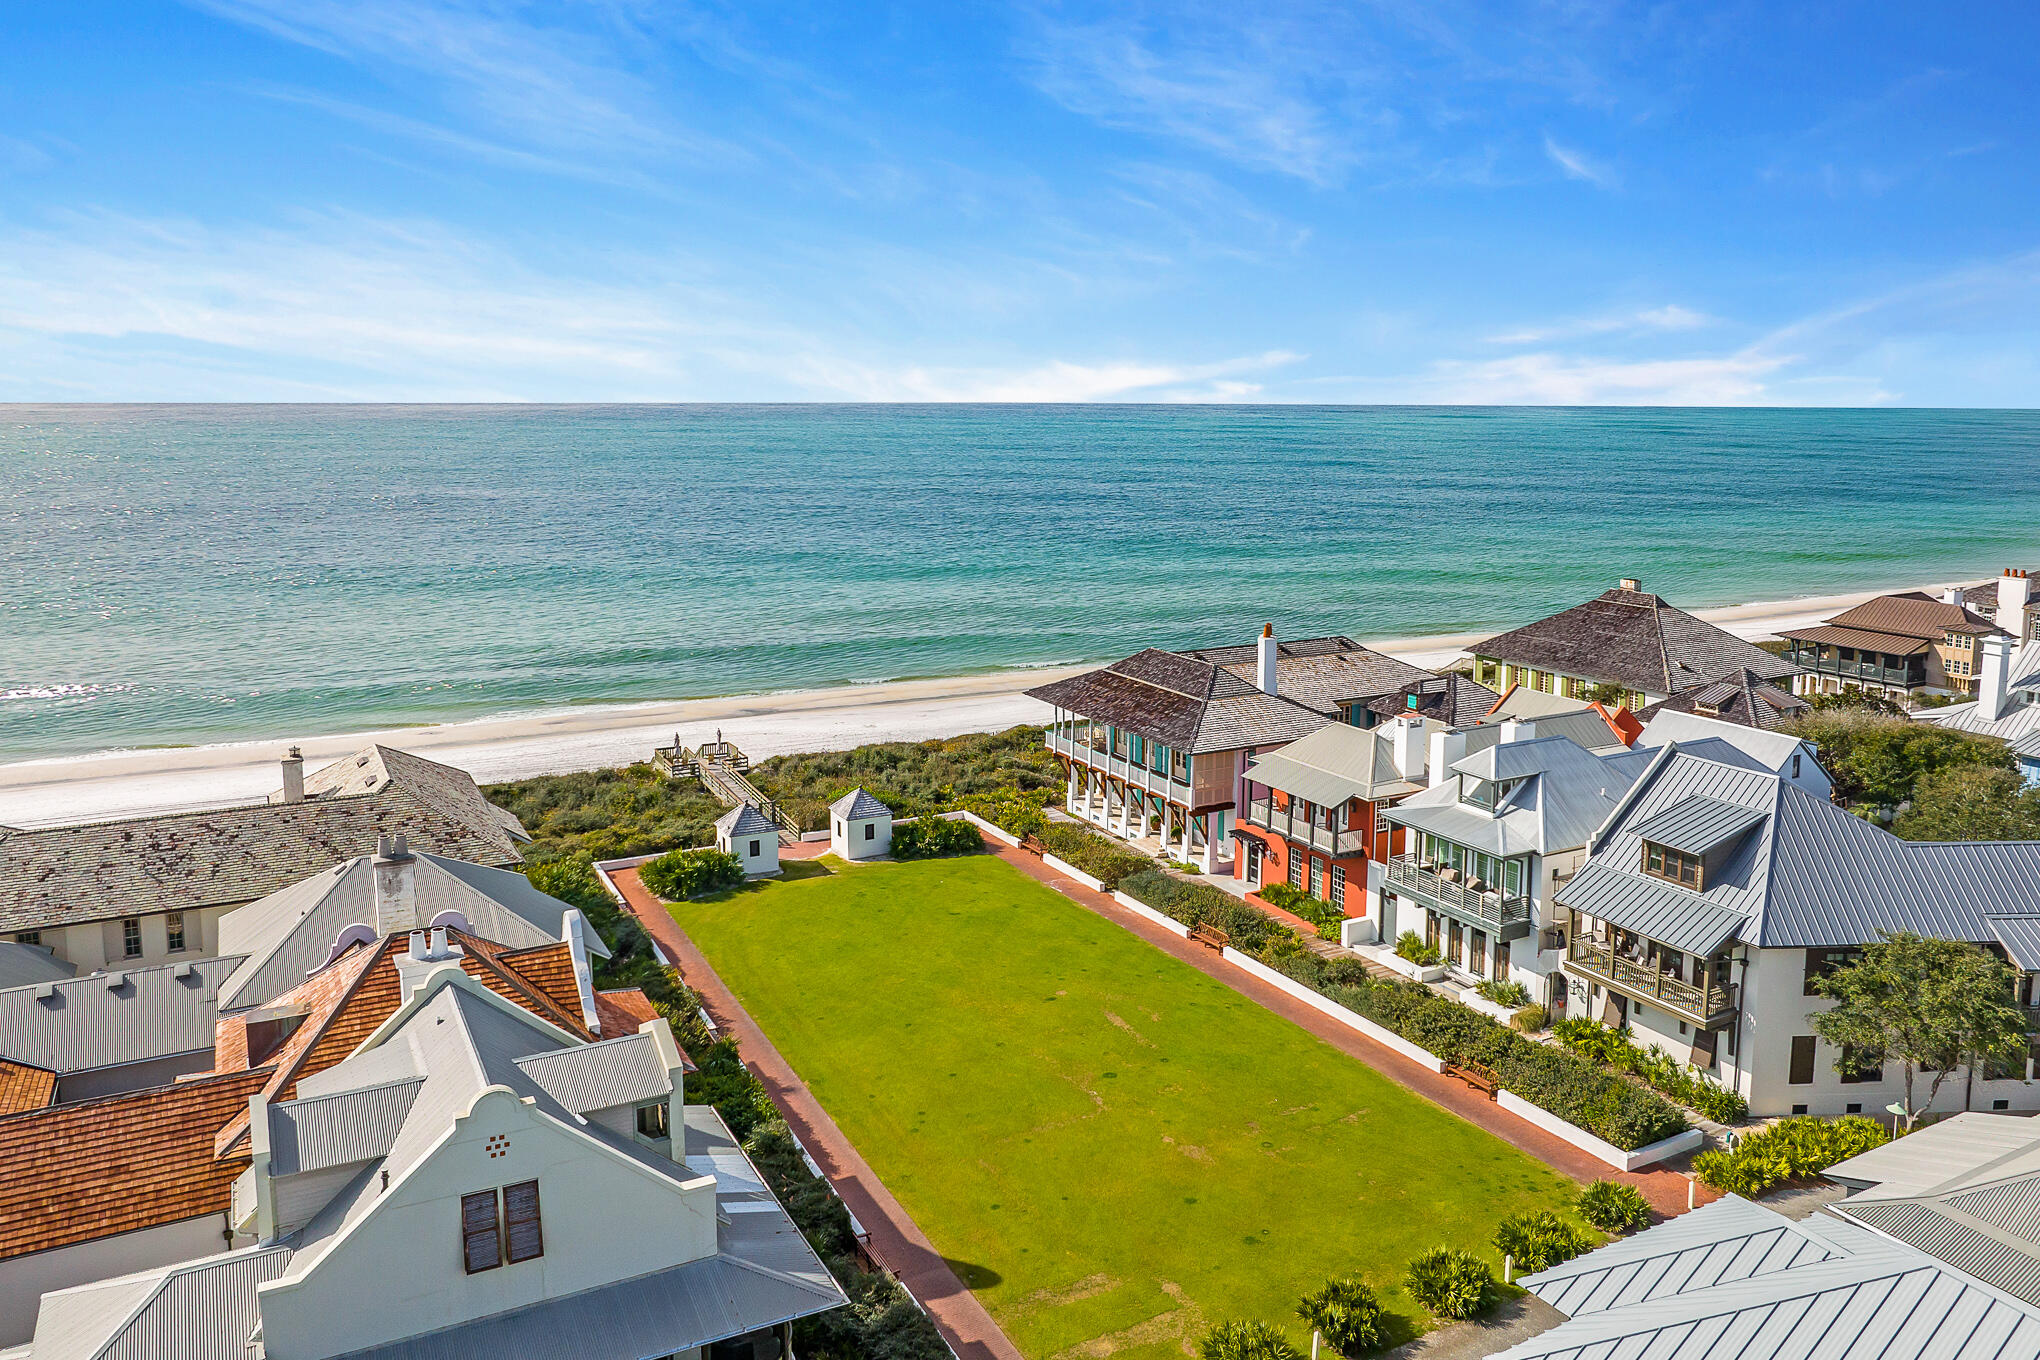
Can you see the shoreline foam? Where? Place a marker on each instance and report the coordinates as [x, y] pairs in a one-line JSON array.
[[590, 735]]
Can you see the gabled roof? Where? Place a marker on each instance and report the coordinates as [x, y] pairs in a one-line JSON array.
[[2019, 725], [745, 820], [858, 804], [1732, 1279], [292, 933], [1634, 639], [106, 1019], [1566, 792], [1804, 873], [1697, 824], [1772, 750], [183, 861], [23, 964], [1186, 704], [1333, 764], [1742, 697]]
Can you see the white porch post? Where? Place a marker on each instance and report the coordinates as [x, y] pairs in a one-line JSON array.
[[1210, 842], [1090, 795], [1185, 818], [1125, 809], [1071, 801]]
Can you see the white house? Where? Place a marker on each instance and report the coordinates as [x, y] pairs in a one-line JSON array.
[[860, 827], [752, 837], [475, 1180], [1719, 891]]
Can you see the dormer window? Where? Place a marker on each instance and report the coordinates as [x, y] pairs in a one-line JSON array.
[[1673, 866]]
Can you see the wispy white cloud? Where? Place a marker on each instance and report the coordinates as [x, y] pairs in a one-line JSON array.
[[1055, 381], [1546, 379], [1579, 165], [1670, 317]]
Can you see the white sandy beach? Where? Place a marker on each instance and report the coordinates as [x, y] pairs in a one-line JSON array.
[[553, 741]]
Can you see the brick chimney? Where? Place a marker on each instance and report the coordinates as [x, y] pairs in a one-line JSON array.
[[1264, 671], [396, 887], [294, 776], [1994, 676]]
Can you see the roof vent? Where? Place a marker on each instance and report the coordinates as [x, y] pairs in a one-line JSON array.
[[44, 991], [116, 981], [182, 971]]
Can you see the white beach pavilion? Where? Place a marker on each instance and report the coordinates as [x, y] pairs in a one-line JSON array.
[[752, 837], [860, 827]]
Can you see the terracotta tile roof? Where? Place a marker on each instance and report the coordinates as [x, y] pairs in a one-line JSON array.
[[100, 1167], [550, 968], [185, 861], [621, 1012], [25, 1088], [1634, 639]]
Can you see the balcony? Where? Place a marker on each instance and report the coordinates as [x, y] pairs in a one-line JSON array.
[[1484, 906], [1085, 745], [1872, 672], [1641, 981], [1281, 822]]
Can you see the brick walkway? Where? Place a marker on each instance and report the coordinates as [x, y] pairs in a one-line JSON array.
[[894, 1239], [1665, 1189]]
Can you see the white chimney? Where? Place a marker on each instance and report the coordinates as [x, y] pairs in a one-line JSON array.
[[396, 887], [1447, 745], [1952, 595], [1514, 729], [1994, 677], [1629, 583], [294, 776], [426, 951], [1265, 670], [2015, 590], [1407, 734]]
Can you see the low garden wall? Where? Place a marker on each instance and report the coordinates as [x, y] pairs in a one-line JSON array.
[[1317, 1001], [1148, 913], [1648, 1155]]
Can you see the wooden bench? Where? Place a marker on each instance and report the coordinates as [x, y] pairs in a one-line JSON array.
[[1033, 846], [1480, 1077], [1206, 933]]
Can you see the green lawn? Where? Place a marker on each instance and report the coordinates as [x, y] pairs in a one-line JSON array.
[[1113, 1149]]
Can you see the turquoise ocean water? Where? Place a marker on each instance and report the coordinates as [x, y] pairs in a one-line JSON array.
[[194, 574]]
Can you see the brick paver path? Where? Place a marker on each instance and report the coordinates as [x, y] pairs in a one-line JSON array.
[[894, 1239]]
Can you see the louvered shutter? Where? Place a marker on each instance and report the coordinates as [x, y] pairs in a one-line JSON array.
[[520, 1216], [480, 1238]]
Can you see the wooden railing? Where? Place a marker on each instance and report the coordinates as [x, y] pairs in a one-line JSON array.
[[1284, 822], [1407, 871], [1645, 981], [1067, 740]]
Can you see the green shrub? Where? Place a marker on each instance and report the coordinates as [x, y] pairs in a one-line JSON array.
[[1613, 1048], [930, 837], [1539, 1240], [1530, 1020], [1105, 860], [680, 874], [1451, 1284], [1012, 810], [1410, 946], [1251, 931], [1613, 1206], [1248, 1340], [1791, 1149], [1348, 1316], [912, 778], [1504, 993], [1327, 918], [633, 810]]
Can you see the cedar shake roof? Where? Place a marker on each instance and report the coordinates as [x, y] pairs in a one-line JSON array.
[[1743, 698], [101, 1167], [23, 1087], [1321, 673], [63, 875], [1634, 639], [623, 1010], [1186, 704], [1910, 614], [1453, 699]]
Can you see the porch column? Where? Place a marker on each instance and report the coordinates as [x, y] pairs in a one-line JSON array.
[[1090, 789], [1071, 802], [1184, 815], [1125, 809], [1211, 842]]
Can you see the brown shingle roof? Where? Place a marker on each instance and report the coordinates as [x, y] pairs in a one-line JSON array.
[[1743, 698], [100, 1167], [1453, 699], [23, 1087], [1885, 644], [1913, 614], [1634, 639], [184, 861]]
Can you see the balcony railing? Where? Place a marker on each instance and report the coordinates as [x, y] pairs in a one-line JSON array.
[[1462, 899], [1080, 743], [1646, 982], [1283, 822], [1858, 670]]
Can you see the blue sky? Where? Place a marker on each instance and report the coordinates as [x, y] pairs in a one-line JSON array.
[[1803, 203]]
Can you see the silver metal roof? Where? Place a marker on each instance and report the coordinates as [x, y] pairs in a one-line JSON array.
[[745, 820], [1696, 824], [1566, 792], [1956, 1149], [2020, 935], [1732, 1281], [1665, 912], [23, 965], [106, 1019], [621, 1071], [318, 1132], [1333, 764], [204, 1310], [857, 804]]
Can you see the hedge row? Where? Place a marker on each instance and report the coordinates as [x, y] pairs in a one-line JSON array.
[[1105, 860], [931, 837], [1614, 1048]]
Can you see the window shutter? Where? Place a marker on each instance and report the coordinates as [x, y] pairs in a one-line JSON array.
[[1802, 1060], [520, 1214], [481, 1244]]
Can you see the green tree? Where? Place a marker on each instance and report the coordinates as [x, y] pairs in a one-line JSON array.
[[1930, 1005], [1971, 803], [1346, 1313], [1878, 760], [1248, 1340], [1608, 694]]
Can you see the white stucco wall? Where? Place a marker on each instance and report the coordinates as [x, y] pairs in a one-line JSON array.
[[97, 945], [398, 1271], [764, 861], [25, 1279], [860, 837]]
